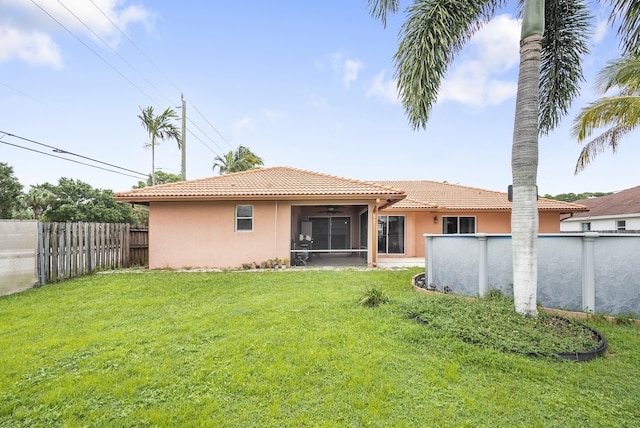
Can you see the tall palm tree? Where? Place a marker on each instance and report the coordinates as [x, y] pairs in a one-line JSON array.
[[242, 159], [620, 113], [436, 30], [159, 127]]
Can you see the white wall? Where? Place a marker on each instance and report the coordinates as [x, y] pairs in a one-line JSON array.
[[578, 271], [18, 252], [600, 223]]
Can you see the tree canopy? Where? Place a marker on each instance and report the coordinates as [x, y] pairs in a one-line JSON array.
[[241, 159], [10, 192], [75, 200], [571, 197], [161, 178]]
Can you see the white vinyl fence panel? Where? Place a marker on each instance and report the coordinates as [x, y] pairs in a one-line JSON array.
[[590, 271], [18, 254]]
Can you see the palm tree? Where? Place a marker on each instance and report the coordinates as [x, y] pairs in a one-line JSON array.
[[39, 199], [621, 112], [242, 159], [159, 128], [436, 30]]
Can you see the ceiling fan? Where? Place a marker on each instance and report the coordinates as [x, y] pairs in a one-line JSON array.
[[332, 209]]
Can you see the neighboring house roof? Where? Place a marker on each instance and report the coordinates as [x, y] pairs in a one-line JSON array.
[[264, 183], [424, 194], [624, 202]]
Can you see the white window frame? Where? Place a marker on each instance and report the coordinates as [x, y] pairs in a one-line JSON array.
[[585, 226], [238, 218], [458, 217]]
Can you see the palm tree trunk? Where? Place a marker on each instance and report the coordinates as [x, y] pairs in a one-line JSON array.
[[524, 165], [153, 161]]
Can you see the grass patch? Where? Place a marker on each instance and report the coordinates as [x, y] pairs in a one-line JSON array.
[[283, 348], [492, 322], [374, 296]]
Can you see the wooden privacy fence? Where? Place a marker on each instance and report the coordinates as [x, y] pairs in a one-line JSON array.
[[138, 246], [68, 250]]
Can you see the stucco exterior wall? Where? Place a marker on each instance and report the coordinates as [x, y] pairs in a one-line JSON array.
[[420, 222], [202, 234]]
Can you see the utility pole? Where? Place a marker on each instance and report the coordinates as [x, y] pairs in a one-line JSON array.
[[184, 138]]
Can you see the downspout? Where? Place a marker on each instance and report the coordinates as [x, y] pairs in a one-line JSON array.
[[275, 234], [374, 234]]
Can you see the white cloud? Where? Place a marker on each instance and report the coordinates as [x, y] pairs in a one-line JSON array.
[[348, 68], [602, 28], [242, 125], [351, 70], [32, 34], [33, 47], [387, 91], [481, 76], [273, 115]]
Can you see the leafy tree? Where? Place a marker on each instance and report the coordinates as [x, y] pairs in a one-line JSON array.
[[550, 71], [242, 159], [571, 197], [620, 113], [159, 127], [161, 178], [38, 199], [75, 200], [10, 192]]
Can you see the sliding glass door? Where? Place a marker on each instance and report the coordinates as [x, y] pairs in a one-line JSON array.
[[331, 233], [391, 230]]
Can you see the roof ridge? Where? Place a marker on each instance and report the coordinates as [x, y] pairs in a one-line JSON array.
[[445, 184]]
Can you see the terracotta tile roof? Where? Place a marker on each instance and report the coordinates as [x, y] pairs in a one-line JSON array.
[[265, 183], [620, 203], [426, 194]]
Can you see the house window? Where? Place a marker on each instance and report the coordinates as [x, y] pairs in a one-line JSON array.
[[622, 224], [244, 218], [586, 227], [458, 225]]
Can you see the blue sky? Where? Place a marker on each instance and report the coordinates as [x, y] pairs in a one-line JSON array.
[[308, 85]]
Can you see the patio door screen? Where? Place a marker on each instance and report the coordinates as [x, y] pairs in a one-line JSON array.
[[331, 233], [390, 234]]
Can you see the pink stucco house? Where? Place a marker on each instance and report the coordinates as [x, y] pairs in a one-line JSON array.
[[280, 212]]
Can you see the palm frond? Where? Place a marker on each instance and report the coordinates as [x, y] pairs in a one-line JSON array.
[[608, 139], [379, 9], [623, 73], [567, 29], [627, 13], [618, 111], [434, 32]]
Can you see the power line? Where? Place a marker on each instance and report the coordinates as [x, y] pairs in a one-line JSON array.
[[114, 51], [135, 46], [59, 150], [95, 53], [132, 67], [205, 134], [201, 142], [25, 94], [213, 127], [67, 159]]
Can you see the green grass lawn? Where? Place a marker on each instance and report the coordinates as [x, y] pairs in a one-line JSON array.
[[286, 349]]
